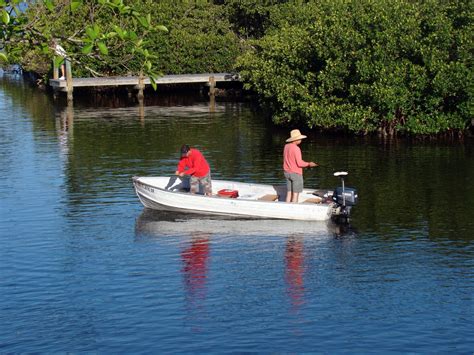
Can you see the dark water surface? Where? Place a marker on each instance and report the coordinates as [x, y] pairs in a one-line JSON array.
[[85, 268]]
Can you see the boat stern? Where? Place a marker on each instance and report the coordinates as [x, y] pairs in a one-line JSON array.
[[344, 199]]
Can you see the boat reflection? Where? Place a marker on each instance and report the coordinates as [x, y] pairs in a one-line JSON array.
[[196, 234], [162, 223]]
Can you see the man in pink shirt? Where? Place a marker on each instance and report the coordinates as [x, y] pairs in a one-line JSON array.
[[293, 165], [194, 164]]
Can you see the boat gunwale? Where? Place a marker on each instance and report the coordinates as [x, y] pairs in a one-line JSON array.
[[136, 179]]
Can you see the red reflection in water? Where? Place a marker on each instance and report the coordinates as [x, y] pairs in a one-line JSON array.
[[294, 270], [195, 259]]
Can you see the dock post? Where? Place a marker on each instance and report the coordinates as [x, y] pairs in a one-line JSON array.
[[69, 86], [140, 96], [212, 94], [55, 72], [56, 77], [141, 86], [212, 86]]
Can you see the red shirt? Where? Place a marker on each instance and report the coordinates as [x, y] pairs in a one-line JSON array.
[[292, 161], [195, 163]]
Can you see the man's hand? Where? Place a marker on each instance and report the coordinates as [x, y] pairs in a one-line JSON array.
[[313, 165]]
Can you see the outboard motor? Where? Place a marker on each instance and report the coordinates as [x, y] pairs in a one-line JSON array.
[[344, 197]]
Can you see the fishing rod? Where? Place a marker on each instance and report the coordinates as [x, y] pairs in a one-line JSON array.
[[325, 167]]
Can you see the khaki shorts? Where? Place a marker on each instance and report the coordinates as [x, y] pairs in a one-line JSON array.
[[204, 181], [294, 182]]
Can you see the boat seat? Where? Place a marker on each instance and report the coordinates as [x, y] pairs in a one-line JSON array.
[[268, 198], [313, 200]]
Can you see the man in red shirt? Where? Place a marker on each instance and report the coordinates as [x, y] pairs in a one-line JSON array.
[[194, 164], [293, 165]]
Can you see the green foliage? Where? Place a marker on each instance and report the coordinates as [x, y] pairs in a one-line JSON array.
[[200, 39], [127, 38], [251, 18], [365, 66], [87, 29]]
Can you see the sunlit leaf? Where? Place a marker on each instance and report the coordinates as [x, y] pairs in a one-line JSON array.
[[45, 49], [153, 79], [102, 48], [49, 5], [143, 21], [91, 33], [5, 17], [153, 82], [119, 31], [3, 57], [75, 5], [162, 28], [58, 61], [87, 49]]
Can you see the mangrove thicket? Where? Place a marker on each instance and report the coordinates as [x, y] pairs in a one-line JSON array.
[[363, 66]]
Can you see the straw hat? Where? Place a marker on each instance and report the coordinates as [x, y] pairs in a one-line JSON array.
[[295, 135]]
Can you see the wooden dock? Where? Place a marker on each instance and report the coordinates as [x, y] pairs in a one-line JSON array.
[[134, 80], [209, 79]]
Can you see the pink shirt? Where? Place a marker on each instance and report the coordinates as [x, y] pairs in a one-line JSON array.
[[292, 161]]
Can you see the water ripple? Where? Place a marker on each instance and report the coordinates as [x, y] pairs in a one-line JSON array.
[[86, 269]]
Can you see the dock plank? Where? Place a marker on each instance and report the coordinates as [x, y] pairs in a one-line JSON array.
[[133, 80]]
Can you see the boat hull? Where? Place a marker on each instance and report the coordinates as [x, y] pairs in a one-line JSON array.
[[164, 193]]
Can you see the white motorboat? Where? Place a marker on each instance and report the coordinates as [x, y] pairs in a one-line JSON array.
[[247, 200]]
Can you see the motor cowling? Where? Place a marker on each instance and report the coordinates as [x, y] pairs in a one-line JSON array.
[[345, 196]]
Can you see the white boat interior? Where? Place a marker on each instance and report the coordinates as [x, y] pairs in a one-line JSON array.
[[246, 191]]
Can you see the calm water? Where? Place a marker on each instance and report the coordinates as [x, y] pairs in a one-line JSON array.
[[85, 268]]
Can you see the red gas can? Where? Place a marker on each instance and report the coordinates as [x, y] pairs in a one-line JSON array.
[[228, 193]]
